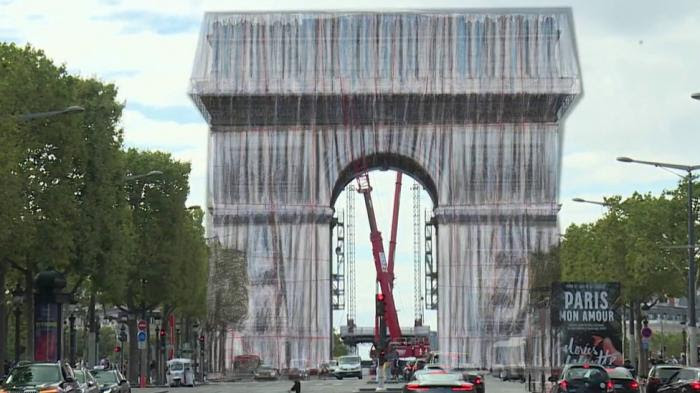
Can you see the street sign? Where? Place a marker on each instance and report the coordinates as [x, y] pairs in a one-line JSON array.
[[141, 337], [142, 325], [646, 332], [645, 343]]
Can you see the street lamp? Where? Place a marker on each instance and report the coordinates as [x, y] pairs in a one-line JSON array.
[[136, 177], [17, 300], [581, 200], [43, 115], [692, 339]]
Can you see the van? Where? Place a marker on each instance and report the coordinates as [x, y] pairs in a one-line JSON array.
[[349, 366]]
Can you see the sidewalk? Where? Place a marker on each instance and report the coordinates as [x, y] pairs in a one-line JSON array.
[[154, 389]]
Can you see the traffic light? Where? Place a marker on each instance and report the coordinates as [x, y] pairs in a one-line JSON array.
[[162, 332], [380, 305], [201, 338], [117, 349]]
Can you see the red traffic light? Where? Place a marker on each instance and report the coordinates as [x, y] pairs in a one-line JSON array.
[[117, 349], [380, 297], [201, 338], [162, 332]]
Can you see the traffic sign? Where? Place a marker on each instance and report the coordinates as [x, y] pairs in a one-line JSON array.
[[142, 325], [646, 332], [141, 338]]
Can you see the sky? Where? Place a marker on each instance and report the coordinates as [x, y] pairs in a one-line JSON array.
[[640, 61]]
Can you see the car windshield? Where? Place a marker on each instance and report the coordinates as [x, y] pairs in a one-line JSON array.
[[105, 377], [80, 376], [431, 378], [666, 372], [176, 367], [580, 372], [349, 360], [620, 373], [35, 374]]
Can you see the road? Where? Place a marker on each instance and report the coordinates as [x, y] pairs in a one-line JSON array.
[[315, 386]]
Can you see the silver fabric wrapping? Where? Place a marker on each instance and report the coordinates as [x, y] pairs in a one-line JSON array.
[[468, 102]]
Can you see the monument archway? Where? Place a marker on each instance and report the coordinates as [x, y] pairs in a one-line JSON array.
[[472, 101]]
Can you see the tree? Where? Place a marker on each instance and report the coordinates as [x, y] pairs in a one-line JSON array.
[[37, 168], [630, 244], [160, 227], [339, 348]]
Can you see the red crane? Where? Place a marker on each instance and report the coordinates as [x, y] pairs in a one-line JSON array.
[[385, 274]]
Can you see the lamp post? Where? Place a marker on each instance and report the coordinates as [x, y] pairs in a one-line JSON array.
[[581, 200], [198, 366], [43, 115], [72, 348], [692, 339], [17, 300], [136, 177]]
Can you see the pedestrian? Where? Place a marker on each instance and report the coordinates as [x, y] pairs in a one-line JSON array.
[[628, 365], [152, 372], [296, 388]]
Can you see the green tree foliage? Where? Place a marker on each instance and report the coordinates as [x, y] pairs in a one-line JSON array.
[[69, 204], [630, 244], [339, 348], [158, 215]]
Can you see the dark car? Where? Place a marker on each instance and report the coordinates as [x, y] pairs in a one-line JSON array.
[[683, 381], [623, 380], [473, 376], [111, 381], [45, 377], [583, 378], [659, 376], [87, 382], [438, 382]]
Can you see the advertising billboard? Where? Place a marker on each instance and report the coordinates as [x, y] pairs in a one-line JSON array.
[[589, 322]]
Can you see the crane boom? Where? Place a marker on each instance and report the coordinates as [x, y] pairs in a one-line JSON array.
[[384, 275], [394, 225]]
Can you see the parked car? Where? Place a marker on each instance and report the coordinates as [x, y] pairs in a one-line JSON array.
[[437, 381], [583, 378], [683, 381], [266, 372], [349, 366], [111, 381], [87, 382], [659, 376], [473, 376], [623, 380], [37, 376]]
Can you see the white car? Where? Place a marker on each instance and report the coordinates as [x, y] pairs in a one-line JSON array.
[[349, 366]]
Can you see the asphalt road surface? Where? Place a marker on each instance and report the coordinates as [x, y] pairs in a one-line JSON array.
[[316, 386]]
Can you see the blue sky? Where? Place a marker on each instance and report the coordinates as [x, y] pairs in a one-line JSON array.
[[639, 59]]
